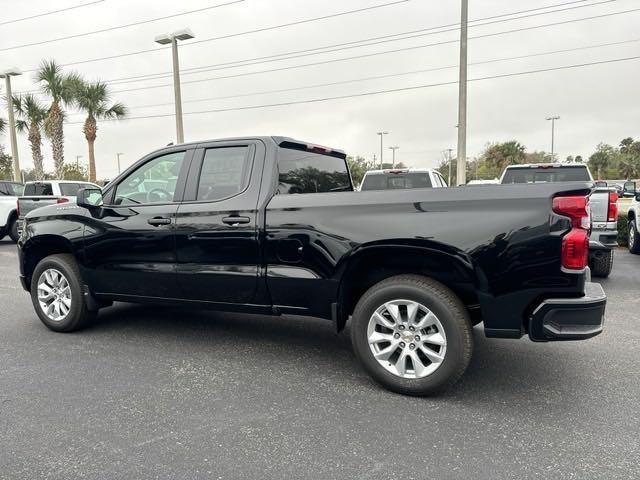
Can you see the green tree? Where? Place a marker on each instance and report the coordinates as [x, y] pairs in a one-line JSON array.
[[6, 165], [71, 171], [60, 87], [627, 168], [602, 159], [358, 166], [31, 115], [94, 99], [501, 155]]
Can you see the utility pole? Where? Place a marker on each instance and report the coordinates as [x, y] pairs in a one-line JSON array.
[[382, 134], [393, 161], [7, 74], [118, 155], [173, 38], [461, 177], [553, 135], [450, 150], [78, 157]]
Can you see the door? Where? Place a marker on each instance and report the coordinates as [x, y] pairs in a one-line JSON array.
[[130, 244], [217, 241]]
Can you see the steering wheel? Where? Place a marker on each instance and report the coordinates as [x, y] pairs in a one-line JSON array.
[[159, 194]]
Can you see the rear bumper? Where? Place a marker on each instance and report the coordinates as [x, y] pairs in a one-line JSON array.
[[604, 236], [569, 318]]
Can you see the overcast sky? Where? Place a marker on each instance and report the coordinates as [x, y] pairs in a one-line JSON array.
[[596, 103]]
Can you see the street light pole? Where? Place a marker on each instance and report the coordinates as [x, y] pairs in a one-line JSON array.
[[553, 135], [173, 38], [7, 74], [118, 155], [461, 177], [393, 161], [381, 146], [78, 157]]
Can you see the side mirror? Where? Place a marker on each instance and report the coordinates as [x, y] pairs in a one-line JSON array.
[[629, 189], [89, 197]]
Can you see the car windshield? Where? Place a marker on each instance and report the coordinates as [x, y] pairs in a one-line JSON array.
[[396, 181], [38, 188], [546, 175]]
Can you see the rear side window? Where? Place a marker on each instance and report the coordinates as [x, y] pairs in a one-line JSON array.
[[396, 181], [546, 174], [38, 188], [307, 172], [225, 172], [69, 189]]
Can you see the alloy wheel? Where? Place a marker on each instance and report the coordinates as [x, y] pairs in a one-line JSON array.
[[54, 294]]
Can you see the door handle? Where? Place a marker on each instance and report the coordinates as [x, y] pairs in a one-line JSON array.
[[157, 221], [236, 220]]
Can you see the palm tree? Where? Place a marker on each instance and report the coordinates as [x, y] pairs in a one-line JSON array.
[[60, 87], [627, 168], [3, 124], [31, 116], [94, 99]]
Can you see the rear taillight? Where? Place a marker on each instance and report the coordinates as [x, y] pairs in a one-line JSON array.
[[575, 244], [612, 215], [62, 200]]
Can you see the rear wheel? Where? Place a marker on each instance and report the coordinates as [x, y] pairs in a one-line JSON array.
[[602, 264], [634, 241], [412, 335], [56, 294], [13, 230]]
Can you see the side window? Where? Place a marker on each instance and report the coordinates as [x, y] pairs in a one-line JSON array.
[[3, 189], [69, 189], [305, 172], [153, 182], [225, 172]]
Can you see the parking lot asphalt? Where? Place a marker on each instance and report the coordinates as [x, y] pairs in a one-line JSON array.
[[151, 392]]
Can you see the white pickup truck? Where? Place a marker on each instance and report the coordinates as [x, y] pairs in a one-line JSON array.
[[46, 192], [9, 193], [603, 201]]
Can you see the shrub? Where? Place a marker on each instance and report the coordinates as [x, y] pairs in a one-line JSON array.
[[623, 229]]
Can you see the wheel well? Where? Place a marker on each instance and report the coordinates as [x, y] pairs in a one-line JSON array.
[[373, 266], [40, 248], [13, 214]]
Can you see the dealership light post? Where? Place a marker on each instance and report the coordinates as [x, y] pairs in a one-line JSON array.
[[118, 156], [172, 39], [393, 161], [7, 74], [461, 177], [553, 135], [382, 134]]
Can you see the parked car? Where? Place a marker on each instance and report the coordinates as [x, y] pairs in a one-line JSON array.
[[603, 202], [47, 192], [272, 225], [400, 178], [633, 217], [9, 193]]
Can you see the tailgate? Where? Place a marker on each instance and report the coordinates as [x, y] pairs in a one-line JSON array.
[[28, 204], [599, 201]]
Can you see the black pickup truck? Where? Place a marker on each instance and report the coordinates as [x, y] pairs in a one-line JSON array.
[[272, 225]]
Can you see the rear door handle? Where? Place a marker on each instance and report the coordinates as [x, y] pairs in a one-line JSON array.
[[157, 221], [236, 220]]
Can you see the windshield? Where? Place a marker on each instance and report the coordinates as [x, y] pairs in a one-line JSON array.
[[546, 174], [38, 188], [396, 181]]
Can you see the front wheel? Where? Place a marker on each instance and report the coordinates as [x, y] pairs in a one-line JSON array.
[[412, 335], [56, 294], [634, 241]]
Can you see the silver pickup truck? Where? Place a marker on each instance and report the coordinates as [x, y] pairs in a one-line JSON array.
[[603, 201], [47, 192]]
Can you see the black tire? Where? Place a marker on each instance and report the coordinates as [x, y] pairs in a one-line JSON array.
[[601, 265], [13, 229], [78, 315], [634, 241], [450, 312]]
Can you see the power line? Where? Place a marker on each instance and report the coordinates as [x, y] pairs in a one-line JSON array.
[[51, 12], [404, 49], [308, 20], [393, 75], [117, 27], [379, 92], [347, 45]]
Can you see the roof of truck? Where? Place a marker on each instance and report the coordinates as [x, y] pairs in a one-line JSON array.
[[548, 165]]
